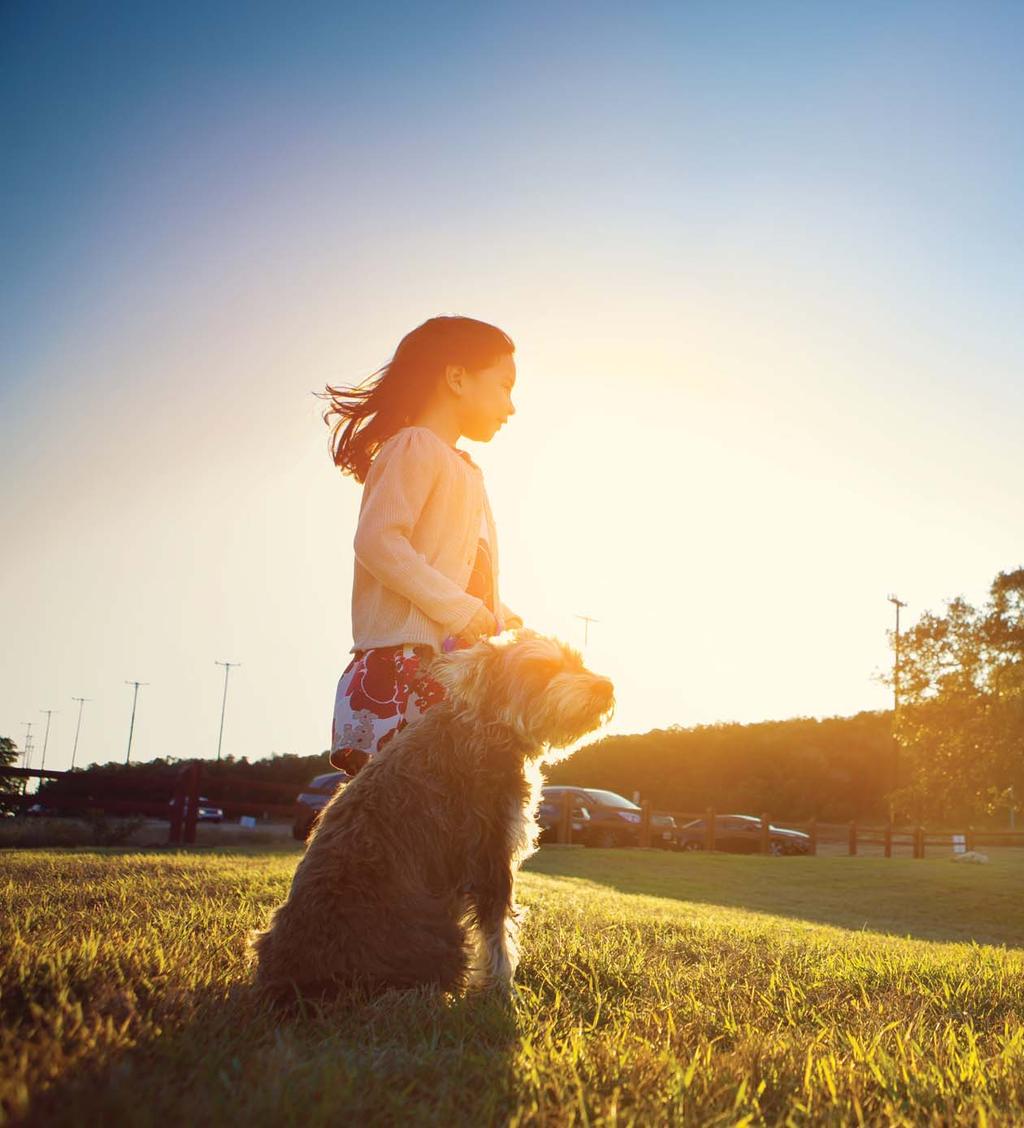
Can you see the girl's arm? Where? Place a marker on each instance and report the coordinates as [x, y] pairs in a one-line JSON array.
[[396, 488]]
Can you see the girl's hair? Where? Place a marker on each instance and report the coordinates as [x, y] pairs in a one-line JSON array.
[[372, 412]]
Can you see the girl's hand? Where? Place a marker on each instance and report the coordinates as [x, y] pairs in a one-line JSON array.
[[482, 623]]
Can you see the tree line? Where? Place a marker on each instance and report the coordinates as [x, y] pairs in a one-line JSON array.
[[833, 769]]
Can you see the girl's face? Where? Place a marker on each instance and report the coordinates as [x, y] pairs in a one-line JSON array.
[[485, 402]]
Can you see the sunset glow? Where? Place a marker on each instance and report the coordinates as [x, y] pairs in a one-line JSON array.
[[767, 354]]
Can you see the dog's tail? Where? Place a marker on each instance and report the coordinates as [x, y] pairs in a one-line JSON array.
[[272, 981], [261, 948]]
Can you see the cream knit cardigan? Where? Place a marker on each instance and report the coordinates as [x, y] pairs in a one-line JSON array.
[[415, 543]]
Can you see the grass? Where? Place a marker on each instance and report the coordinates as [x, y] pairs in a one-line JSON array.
[[691, 989]]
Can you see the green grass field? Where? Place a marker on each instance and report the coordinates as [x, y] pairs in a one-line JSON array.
[[692, 989]]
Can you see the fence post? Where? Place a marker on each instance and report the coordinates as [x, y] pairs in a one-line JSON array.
[[192, 811], [919, 842], [765, 833], [709, 829], [813, 844], [178, 807], [645, 823], [853, 838], [565, 823], [969, 838], [888, 839]]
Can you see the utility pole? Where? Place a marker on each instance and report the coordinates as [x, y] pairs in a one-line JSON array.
[[46, 736], [587, 620], [896, 660], [227, 669], [131, 727], [26, 754], [27, 745], [896, 691], [81, 701]]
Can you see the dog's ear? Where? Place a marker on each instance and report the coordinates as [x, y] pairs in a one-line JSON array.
[[463, 673]]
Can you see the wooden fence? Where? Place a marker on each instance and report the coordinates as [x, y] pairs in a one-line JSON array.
[[918, 838]]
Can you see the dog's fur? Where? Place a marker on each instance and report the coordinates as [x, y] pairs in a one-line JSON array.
[[409, 875]]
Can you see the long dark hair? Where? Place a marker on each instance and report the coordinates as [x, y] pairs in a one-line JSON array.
[[371, 412]]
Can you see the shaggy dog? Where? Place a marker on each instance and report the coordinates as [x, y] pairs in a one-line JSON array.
[[409, 875]]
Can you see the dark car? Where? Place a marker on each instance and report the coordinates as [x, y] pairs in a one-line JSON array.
[[208, 812], [741, 834], [39, 810], [611, 820], [549, 818], [309, 804]]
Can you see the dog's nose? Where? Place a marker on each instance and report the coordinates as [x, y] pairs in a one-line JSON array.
[[603, 689]]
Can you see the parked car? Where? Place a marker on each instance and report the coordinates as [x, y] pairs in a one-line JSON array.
[[207, 811], [611, 820], [309, 805], [741, 834]]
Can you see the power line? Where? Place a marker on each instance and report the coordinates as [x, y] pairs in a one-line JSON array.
[[895, 696], [131, 727], [26, 754], [27, 745], [896, 659], [46, 737], [587, 620], [227, 669], [81, 701]]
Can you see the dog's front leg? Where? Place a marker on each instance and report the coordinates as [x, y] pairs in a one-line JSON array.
[[492, 900]]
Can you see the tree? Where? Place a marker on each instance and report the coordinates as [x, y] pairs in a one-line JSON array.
[[8, 784], [960, 721]]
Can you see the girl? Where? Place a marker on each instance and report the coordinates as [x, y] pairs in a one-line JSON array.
[[426, 550]]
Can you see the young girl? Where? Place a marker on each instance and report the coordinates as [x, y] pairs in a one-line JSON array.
[[426, 549]]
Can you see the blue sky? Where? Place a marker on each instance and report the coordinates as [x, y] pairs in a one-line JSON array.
[[910, 111], [770, 252]]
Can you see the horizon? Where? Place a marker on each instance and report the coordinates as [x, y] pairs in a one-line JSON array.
[[582, 744]]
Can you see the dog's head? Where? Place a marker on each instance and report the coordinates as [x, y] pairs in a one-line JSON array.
[[534, 684]]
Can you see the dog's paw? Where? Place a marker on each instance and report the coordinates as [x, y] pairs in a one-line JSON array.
[[498, 985]]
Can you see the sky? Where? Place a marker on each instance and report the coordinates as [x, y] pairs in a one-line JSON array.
[[762, 263]]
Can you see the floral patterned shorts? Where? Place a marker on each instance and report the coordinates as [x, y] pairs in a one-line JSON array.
[[379, 692]]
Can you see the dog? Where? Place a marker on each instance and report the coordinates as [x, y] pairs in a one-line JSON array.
[[408, 877]]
